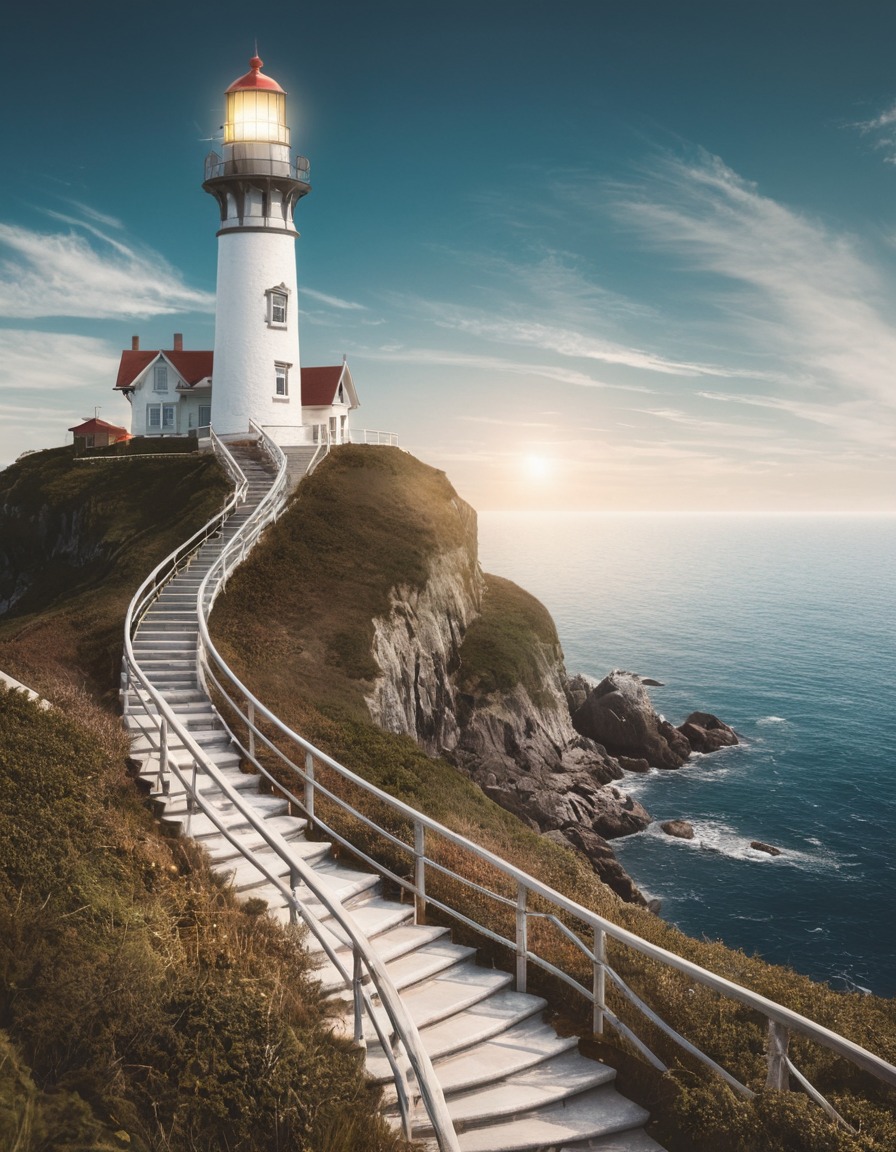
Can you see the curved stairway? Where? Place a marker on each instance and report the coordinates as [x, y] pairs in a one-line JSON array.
[[510, 1082]]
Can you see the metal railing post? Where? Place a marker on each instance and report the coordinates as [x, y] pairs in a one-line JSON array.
[[164, 782], [191, 797], [599, 981], [294, 881], [419, 873], [309, 789], [522, 945], [357, 999], [127, 688], [251, 716], [778, 1072]]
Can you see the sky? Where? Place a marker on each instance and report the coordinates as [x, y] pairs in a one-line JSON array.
[[580, 255]]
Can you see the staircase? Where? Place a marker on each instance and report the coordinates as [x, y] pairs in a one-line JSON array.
[[510, 1082]]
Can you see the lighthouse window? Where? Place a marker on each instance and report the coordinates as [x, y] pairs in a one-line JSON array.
[[277, 303], [160, 378], [281, 377]]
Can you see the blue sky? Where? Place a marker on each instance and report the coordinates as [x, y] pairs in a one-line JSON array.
[[579, 254]]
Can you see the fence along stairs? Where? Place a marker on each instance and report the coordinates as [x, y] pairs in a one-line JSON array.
[[509, 1081]]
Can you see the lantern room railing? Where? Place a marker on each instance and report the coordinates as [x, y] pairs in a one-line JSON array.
[[243, 165]]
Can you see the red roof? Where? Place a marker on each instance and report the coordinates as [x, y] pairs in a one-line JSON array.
[[319, 385], [192, 366], [254, 79], [94, 424]]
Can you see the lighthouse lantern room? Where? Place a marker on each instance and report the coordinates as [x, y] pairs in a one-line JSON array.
[[257, 185]]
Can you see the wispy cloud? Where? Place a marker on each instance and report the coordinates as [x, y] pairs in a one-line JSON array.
[[34, 363], [50, 381], [334, 301], [440, 356], [94, 275], [571, 343], [810, 297], [882, 131]]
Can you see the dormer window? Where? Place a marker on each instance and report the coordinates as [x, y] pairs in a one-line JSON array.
[[278, 303], [160, 378]]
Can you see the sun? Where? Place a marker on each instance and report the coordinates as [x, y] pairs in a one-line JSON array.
[[537, 467]]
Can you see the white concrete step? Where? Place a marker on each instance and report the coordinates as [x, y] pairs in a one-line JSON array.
[[555, 1080], [446, 994], [390, 945], [220, 849], [519, 1048], [173, 813], [473, 1025], [598, 1112]]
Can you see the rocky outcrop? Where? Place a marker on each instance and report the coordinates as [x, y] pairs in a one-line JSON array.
[[706, 733], [517, 742], [761, 846], [619, 714], [679, 828], [416, 649]]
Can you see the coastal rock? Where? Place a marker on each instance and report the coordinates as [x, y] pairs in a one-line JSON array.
[[416, 645], [618, 714], [633, 764], [762, 847], [577, 689], [680, 828], [516, 741], [604, 863], [707, 733]]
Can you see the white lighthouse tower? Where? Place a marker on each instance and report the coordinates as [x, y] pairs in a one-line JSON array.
[[257, 185]]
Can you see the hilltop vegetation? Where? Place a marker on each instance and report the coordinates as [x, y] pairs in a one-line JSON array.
[[140, 1006], [276, 624], [78, 539]]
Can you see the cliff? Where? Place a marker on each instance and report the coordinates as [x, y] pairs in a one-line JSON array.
[[470, 666]]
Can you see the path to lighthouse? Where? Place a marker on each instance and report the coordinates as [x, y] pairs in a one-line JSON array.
[[509, 1081]]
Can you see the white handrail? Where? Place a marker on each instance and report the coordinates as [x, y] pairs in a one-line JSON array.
[[253, 711], [165, 719]]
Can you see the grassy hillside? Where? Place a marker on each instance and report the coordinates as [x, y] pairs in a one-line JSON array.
[[276, 626], [140, 1006], [78, 539], [370, 519]]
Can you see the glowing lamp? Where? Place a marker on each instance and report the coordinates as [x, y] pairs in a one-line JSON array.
[[256, 109]]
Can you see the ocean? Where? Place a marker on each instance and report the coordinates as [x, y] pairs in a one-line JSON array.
[[784, 627]]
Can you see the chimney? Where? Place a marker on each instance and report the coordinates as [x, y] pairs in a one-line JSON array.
[[178, 341], [135, 343]]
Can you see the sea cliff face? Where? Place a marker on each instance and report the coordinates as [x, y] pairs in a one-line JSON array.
[[471, 668], [416, 649]]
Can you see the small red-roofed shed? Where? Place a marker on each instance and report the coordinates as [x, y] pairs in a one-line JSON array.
[[97, 433]]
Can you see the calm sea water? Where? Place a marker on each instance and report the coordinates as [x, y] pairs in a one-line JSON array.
[[785, 627]]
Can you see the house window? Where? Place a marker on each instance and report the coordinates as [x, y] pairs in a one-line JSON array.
[[153, 417], [205, 415], [168, 420], [281, 379], [160, 378], [278, 301]]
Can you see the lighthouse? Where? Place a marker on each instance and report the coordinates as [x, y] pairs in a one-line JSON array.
[[257, 184]]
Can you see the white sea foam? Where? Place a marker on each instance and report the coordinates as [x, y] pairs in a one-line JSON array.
[[772, 720], [716, 836]]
